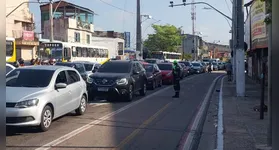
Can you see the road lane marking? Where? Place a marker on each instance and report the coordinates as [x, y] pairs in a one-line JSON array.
[[99, 120], [220, 128], [188, 138], [142, 126]]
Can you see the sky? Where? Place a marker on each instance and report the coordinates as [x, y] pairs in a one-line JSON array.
[[212, 25]]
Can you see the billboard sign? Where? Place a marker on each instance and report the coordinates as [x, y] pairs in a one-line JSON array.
[[258, 26], [127, 36]]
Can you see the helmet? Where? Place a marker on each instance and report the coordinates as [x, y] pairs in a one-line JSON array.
[[175, 62]]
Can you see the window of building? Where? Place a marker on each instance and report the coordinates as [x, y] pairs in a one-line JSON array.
[[88, 38], [77, 37], [27, 26]]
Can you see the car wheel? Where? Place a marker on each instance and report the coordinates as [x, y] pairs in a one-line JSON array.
[[143, 89], [130, 95], [82, 106], [46, 118]]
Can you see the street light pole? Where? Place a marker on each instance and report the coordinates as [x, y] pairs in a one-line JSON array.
[[51, 19], [139, 40]]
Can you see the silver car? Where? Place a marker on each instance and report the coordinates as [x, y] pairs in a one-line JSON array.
[[38, 94]]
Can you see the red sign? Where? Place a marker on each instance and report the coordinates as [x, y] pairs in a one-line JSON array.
[[28, 35]]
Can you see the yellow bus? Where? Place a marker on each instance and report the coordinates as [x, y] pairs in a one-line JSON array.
[[10, 50], [66, 52]]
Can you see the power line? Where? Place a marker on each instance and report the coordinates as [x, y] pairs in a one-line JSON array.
[[117, 7], [228, 6]]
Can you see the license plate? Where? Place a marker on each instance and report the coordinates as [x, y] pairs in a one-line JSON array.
[[102, 89]]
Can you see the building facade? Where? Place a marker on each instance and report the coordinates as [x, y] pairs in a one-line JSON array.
[[192, 44], [74, 24], [20, 26]]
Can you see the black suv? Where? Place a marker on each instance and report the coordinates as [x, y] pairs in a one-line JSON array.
[[117, 78], [78, 66]]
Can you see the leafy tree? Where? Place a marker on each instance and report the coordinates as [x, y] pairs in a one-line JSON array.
[[268, 10], [187, 56], [165, 38]]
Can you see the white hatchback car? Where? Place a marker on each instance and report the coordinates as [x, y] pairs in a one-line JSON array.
[[38, 94]]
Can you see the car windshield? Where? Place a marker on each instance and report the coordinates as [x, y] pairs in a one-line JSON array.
[[115, 67], [29, 78], [165, 66], [65, 64], [214, 63], [148, 68], [152, 61], [88, 67], [182, 65], [196, 64]]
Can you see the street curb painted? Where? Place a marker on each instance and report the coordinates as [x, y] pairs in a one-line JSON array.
[[220, 128], [192, 136]]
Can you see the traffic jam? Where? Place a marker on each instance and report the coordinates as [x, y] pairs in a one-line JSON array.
[[47, 92]]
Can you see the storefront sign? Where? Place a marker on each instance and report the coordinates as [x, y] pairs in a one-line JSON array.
[[258, 26], [27, 43], [28, 35]]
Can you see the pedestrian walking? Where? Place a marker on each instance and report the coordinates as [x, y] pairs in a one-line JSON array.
[[176, 78], [229, 70]]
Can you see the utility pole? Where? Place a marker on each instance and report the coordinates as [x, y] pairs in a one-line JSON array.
[[51, 20], [240, 74], [234, 40], [139, 43]]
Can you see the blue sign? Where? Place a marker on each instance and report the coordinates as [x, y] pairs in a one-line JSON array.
[[127, 39]]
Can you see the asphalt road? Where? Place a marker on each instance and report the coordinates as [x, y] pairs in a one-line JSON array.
[[156, 121]]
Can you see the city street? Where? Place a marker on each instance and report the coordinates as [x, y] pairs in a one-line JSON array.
[[156, 121]]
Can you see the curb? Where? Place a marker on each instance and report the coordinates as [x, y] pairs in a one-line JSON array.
[[194, 136]]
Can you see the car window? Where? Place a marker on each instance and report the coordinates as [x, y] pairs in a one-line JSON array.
[[61, 78], [8, 69], [148, 68], [80, 68], [165, 66], [156, 67], [73, 76], [88, 67], [29, 78], [115, 67], [140, 66]]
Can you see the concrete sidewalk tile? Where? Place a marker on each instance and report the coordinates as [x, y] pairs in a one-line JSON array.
[[243, 129]]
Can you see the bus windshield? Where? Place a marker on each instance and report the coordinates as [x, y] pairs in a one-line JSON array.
[[9, 48], [56, 53]]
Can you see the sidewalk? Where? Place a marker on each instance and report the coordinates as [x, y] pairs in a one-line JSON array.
[[243, 129]]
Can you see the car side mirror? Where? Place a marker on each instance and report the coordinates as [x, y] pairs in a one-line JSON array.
[[60, 85]]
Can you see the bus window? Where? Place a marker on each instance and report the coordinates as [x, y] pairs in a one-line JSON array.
[[106, 53], [67, 53], [74, 52], [97, 52], [84, 52], [79, 52], [101, 53], [9, 48], [91, 52]]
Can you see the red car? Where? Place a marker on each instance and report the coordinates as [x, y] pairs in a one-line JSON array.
[[166, 69]]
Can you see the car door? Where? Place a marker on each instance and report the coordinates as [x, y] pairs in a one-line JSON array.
[[158, 73], [136, 76], [75, 87], [142, 73], [62, 96]]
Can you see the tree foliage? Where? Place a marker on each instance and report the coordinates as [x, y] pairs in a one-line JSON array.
[[268, 19], [165, 38]]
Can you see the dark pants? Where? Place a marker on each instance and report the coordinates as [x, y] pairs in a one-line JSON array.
[[176, 85]]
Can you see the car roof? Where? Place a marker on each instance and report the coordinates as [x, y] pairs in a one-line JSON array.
[[86, 62], [10, 65], [121, 61], [165, 63], [47, 67], [68, 63]]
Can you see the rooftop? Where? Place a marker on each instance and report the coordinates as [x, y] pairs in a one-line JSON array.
[[70, 7]]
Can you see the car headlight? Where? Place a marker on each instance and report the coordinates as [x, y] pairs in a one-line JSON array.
[[89, 80], [27, 103], [122, 81]]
